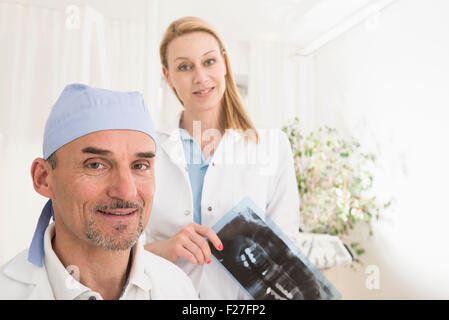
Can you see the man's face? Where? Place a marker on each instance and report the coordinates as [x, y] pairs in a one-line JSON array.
[[103, 187]]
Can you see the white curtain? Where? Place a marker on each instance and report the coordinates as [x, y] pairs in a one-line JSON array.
[[41, 50], [273, 83]]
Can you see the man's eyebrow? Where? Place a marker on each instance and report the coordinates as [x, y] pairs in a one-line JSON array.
[[149, 154], [96, 151]]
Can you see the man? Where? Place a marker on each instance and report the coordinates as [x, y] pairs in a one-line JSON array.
[[97, 170]]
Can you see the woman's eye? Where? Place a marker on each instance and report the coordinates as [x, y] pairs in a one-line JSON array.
[[209, 62], [184, 67]]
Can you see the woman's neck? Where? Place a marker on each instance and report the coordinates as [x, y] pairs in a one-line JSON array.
[[205, 127]]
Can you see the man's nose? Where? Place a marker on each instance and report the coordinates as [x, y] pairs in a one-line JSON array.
[[122, 185]]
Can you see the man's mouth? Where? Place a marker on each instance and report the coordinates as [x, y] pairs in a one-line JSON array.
[[119, 212]]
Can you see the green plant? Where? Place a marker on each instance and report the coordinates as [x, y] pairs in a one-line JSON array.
[[335, 181]]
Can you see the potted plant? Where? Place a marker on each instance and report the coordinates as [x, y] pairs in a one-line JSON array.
[[335, 183]]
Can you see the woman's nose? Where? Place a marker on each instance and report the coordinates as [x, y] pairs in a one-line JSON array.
[[201, 75]]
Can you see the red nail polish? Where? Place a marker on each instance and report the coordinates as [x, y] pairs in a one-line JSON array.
[[220, 247], [208, 262]]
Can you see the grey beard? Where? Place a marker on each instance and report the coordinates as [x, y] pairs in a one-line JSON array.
[[94, 234]]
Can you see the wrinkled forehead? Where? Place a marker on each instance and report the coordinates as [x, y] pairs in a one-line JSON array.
[[111, 143]]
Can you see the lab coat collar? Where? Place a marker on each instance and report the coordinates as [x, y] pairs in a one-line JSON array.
[[66, 287], [171, 129], [170, 139], [173, 146], [21, 270], [138, 275]]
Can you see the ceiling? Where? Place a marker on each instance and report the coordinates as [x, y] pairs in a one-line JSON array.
[[296, 21]]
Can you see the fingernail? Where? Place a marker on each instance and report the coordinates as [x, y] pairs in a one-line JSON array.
[[208, 262], [220, 247]]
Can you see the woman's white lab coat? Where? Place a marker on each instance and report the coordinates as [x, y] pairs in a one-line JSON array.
[[264, 172]]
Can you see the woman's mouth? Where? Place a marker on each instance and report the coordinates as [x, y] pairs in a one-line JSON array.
[[204, 92]]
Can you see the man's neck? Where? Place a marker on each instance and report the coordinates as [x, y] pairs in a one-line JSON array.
[[101, 270]]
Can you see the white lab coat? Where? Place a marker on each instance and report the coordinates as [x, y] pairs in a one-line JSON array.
[[264, 172], [22, 280]]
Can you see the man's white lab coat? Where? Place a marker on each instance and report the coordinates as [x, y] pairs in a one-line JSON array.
[[22, 280]]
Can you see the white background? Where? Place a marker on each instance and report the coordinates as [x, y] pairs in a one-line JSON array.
[[380, 76]]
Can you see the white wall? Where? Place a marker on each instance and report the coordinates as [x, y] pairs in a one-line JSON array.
[[387, 86], [39, 55]]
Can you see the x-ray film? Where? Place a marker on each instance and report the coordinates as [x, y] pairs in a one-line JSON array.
[[264, 261]]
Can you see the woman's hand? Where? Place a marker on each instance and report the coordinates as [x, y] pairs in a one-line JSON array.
[[189, 244]]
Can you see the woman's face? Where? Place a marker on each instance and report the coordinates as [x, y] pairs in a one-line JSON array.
[[196, 70]]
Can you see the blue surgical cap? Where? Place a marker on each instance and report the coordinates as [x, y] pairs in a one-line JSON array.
[[81, 110]]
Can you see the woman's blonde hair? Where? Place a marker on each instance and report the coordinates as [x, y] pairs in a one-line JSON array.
[[234, 113]]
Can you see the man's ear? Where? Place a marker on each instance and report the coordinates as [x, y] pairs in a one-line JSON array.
[[40, 170]]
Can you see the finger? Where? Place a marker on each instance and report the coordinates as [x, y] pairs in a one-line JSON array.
[[194, 250], [184, 253], [211, 235], [180, 248], [203, 245]]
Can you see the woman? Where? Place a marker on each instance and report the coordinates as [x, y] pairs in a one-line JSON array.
[[210, 158]]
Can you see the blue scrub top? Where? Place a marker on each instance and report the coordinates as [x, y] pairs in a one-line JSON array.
[[197, 167]]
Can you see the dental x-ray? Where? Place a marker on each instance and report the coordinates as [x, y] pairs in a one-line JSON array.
[[264, 261]]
